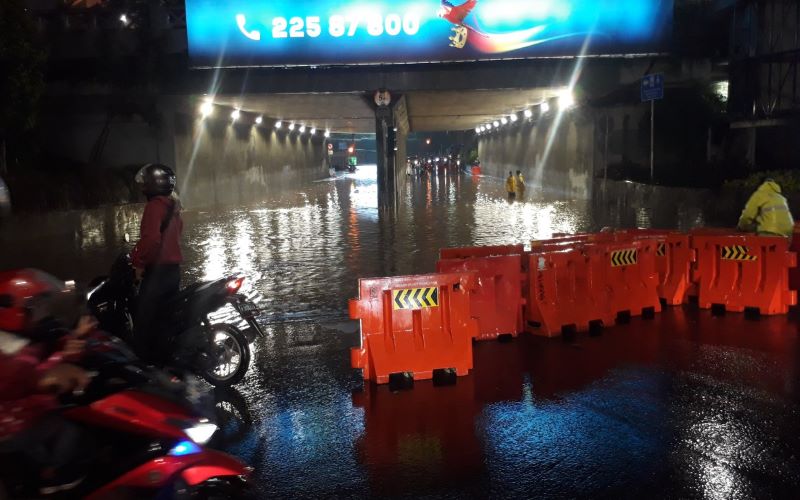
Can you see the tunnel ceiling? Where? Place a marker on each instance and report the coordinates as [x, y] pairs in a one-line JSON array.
[[429, 111]]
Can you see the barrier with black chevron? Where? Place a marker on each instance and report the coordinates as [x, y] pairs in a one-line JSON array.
[[662, 250], [415, 298], [737, 252], [743, 272], [626, 257], [432, 331]]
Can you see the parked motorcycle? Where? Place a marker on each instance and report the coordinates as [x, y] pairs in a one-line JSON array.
[[220, 352], [146, 439]]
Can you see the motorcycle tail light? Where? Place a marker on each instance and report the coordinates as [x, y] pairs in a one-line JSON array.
[[234, 285]]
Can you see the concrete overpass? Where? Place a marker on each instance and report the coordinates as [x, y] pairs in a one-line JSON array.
[[150, 78]]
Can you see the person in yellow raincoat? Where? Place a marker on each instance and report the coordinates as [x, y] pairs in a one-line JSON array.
[[767, 212], [511, 186], [519, 187]]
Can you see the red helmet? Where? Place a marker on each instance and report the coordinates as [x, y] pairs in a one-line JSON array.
[[29, 296]]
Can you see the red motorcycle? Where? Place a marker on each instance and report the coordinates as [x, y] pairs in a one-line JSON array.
[[147, 436]]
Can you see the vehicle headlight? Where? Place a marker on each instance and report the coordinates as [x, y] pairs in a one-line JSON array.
[[184, 448], [201, 433]]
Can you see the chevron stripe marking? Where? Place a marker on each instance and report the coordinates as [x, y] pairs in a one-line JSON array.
[[415, 298], [662, 250], [737, 252], [621, 258]]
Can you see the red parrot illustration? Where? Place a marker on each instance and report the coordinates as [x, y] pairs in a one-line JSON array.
[[456, 13]]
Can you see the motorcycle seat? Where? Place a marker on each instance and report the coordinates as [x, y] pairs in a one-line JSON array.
[[190, 290]]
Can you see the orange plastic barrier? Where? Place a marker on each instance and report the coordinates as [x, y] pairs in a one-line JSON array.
[[476, 170], [561, 294], [674, 260], [497, 302], [794, 273], [413, 325], [743, 272], [626, 271], [487, 251]]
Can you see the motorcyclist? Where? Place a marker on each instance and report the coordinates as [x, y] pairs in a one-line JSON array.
[[36, 352], [767, 212], [157, 256]]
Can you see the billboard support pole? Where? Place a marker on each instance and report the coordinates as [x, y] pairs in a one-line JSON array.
[[652, 138]]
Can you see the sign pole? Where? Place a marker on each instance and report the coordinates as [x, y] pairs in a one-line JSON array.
[[652, 138]]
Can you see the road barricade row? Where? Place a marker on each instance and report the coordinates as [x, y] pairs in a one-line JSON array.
[[414, 325]]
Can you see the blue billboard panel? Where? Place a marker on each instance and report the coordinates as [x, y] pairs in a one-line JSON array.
[[225, 33]]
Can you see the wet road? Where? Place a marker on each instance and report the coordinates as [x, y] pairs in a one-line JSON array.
[[686, 405]]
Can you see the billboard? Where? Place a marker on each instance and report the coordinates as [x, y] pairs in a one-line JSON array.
[[230, 33]]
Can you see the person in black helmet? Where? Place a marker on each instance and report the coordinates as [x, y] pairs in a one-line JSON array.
[[157, 256]]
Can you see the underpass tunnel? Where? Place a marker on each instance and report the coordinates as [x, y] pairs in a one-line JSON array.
[[386, 128]]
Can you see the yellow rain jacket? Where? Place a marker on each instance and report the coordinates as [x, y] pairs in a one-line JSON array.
[[519, 183], [767, 212], [511, 184]]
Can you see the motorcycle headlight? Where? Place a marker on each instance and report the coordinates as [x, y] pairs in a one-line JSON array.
[[184, 448], [201, 432]]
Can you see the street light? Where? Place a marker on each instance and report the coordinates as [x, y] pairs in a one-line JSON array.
[[206, 109], [428, 141], [313, 131], [291, 126], [235, 115], [544, 107], [259, 119], [302, 129], [496, 124], [278, 124], [327, 133], [514, 117], [477, 130], [504, 120], [124, 19], [528, 113], [566, 100]]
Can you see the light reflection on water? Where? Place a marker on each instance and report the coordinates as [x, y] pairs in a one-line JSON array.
[[303, 253]]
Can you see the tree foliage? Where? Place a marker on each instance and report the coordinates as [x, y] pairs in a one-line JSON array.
[[21, 70]]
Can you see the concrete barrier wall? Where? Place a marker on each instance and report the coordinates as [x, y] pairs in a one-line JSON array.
[[223, 164], [564, 168]]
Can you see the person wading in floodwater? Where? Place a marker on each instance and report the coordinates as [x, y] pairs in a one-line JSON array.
[[519, 185], [511, 186]]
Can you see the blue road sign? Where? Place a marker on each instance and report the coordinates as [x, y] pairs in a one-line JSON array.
[[652, 87]]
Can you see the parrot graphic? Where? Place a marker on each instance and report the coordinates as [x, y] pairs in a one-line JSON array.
[[489, 43], [456, 14]]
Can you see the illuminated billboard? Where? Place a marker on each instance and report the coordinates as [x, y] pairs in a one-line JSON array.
[[226, 33]]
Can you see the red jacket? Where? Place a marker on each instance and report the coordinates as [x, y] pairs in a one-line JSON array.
[[22, 365], [153, 246]]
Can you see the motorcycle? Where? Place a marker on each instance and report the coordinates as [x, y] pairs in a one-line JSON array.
[[146, 439], [219, 352]]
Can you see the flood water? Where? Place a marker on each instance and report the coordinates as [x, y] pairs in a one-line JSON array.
[[685, 405]]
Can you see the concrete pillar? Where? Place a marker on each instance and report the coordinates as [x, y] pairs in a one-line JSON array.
[[391, 131], [384, 125]]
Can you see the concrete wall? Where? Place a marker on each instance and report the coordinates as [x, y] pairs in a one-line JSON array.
[[91, 138], [564, 169], [223, 164]]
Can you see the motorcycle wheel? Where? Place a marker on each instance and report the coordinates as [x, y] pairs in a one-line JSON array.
[[231, 356]]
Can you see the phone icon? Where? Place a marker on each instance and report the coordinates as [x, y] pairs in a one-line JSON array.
[[241, 20]]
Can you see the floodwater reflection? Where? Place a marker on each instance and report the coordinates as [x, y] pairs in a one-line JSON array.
[[687, 405]]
